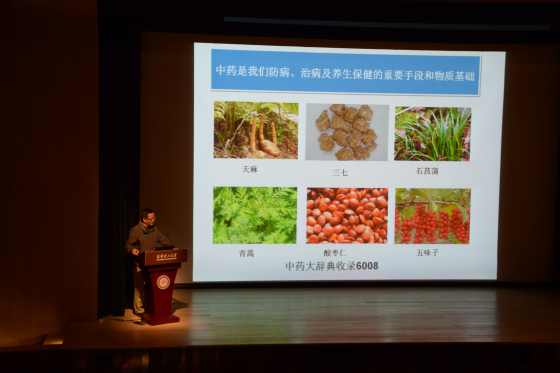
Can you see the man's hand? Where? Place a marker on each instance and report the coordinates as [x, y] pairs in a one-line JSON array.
[[135, 251]]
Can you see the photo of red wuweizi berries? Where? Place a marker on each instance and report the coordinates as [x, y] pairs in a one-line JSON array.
[[347, 215], [432, 216]]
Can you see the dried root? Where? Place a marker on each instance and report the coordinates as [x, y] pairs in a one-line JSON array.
[[348, 120], [323, 122], [355, 139], [361, 125], [327, 143], [365, 112], [369, 137], [364, 153], [338, 109], [350, 114], [340, 138], [340, 124], [344, 155]]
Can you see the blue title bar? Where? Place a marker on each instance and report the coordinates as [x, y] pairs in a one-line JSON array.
[[250, 70]]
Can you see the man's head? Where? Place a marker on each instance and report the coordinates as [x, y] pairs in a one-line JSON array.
[[147, 218]]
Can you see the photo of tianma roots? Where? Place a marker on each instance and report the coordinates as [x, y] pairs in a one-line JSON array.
[[345, 132], [244, 215], [347, 215], [432, 134], [259, 130], [435, 216]]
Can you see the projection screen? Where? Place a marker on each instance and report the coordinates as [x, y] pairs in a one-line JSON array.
[[345, 164]]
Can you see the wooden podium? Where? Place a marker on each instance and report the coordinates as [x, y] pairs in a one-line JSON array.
[[159, 269]]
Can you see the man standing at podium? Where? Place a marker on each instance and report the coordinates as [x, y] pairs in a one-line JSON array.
[[143, 237]]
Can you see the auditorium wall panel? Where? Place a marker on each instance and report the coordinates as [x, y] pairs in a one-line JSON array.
[[49, 178]]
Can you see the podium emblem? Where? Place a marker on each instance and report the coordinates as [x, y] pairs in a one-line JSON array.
[[163, 282]]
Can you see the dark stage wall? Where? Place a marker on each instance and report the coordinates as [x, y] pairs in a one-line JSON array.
[[49, 177]]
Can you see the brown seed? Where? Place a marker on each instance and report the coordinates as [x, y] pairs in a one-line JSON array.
[[309, 212], [311, 221], [334, 221], [310, 204], [341, 197], [327, 215], [345, 202], [360, 240], [370, 206], [328, 231], [352, 233], [313, 239], [366, 234], [317, 229], [321, 220], [316, 213], [323, 207], [353, 203], [359, 210], [342, 191], [309, 230], [341, 207], [381, 202], [321, 236], [332, 208], [326, 201], [353, 194], [375, 193], [349, 212], [338, 228], [328, 193], [378, 221], [333, 237], [351, 219], [359, 228], [338, 214]]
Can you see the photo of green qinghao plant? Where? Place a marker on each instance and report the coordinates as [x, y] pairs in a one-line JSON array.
[[251, 215], [432, 134]]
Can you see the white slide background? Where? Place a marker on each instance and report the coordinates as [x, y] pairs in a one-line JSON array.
[[476, 260]]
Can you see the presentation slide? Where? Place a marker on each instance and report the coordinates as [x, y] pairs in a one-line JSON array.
[[345, 164]]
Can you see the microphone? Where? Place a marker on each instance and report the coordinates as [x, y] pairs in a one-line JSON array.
[[170, 239]]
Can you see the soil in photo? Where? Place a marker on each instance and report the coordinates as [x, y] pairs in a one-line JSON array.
[[258, 130], [255, 215], [432, 216], [432, 134]]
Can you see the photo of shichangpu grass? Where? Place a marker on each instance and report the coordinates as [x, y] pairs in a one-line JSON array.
[[255, 215], [432, 134]]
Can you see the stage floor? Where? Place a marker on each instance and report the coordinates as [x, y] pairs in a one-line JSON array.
[[233, 317]]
